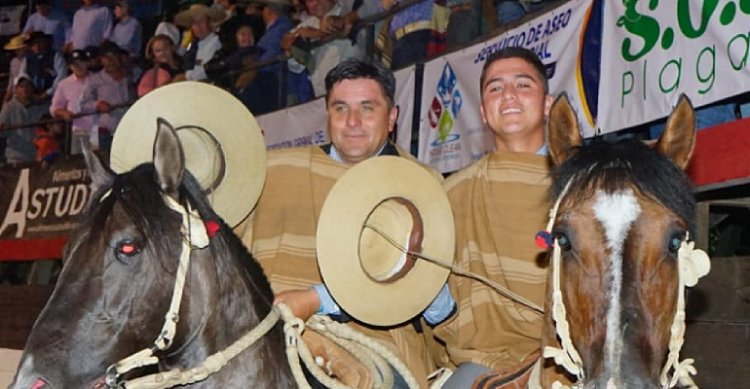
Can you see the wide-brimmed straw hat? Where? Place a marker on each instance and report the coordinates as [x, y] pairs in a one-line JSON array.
[[222, 142], [185, 17], [369, 277], [17, 42]]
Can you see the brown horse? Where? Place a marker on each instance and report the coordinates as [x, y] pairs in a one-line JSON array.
[[118, 278], [614, 308]]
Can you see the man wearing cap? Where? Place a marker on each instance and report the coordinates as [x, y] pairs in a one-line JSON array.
[[499, 204], [127, 33], [92, 24], [44, 66], [50, 22], [199, 18], [19, 142], [66, 102], [106, 93], [281, 231]]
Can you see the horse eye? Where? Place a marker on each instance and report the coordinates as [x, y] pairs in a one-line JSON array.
[[674, 243], [127, 248], [563, 241]]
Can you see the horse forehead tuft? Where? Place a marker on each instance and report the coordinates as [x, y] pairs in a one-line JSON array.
[[616, 211]]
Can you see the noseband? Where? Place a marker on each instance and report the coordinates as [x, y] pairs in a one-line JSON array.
[[692, 264]]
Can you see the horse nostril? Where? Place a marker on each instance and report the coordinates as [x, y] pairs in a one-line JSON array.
[[39, 384]]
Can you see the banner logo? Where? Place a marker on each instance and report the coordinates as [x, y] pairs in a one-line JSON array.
[[445, 107]]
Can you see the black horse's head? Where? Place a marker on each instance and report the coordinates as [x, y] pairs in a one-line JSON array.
[[118, 278]]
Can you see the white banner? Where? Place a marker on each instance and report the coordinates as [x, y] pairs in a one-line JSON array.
[[654, 51], [301, 125], [306, 124], [10, 19], [452, 134]]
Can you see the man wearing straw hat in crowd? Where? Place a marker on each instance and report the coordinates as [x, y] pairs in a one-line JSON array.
[[17, 45], [201, 20], [281, 232], [499, 203]]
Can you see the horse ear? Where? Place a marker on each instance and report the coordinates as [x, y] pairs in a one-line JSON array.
[[563, 133], [678, 139], [169, 159], [100, 175]]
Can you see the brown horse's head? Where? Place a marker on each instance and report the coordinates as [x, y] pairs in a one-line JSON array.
[[118, 278], [624, 211]]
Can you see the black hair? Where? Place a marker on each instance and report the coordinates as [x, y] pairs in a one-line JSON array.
[[353, 68], [516, 52], [611, 166]]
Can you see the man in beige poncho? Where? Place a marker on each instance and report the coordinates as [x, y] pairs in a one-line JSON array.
[[499, 203], [281, 230]]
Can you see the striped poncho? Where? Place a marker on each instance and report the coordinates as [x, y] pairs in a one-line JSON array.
[[281, 235], [499, 203]]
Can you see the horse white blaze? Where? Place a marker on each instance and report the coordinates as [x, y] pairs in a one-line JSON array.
[[616, 212]]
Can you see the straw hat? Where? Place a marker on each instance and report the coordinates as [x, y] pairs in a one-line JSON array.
[[223, 144], [369, 277], [17, 42], [185, 18]]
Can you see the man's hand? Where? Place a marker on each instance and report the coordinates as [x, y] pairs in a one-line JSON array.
[[102, 106], [63, 114], [303, 302]]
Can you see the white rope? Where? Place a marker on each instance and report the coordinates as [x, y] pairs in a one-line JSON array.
[[500, 289], [325, 325], [692, 264], [210, 365]]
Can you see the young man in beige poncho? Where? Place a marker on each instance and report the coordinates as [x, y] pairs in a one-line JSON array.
[[499, 203], [281, 230]]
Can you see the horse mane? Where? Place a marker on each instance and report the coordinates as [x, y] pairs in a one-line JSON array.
[[611, 166], [139, 194]]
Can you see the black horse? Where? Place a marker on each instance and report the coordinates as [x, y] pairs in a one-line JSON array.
[[117, 280]]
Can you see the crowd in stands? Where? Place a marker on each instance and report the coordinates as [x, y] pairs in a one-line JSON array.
[[269, 53]]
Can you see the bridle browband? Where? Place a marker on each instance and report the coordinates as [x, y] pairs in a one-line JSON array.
[[692, 265]]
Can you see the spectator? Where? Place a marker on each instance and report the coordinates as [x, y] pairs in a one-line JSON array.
[[236, 17], [92, 24], [508, 11], [66, 102], [44, 66], [167, 26], [326, 22], [47, 140], [167, 65], [19, 146], [465, 23], [205, 42], [412, 31], [128, 33], [264, 94], [50, 22], [17, 45], [106, 93], [229, 71]]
